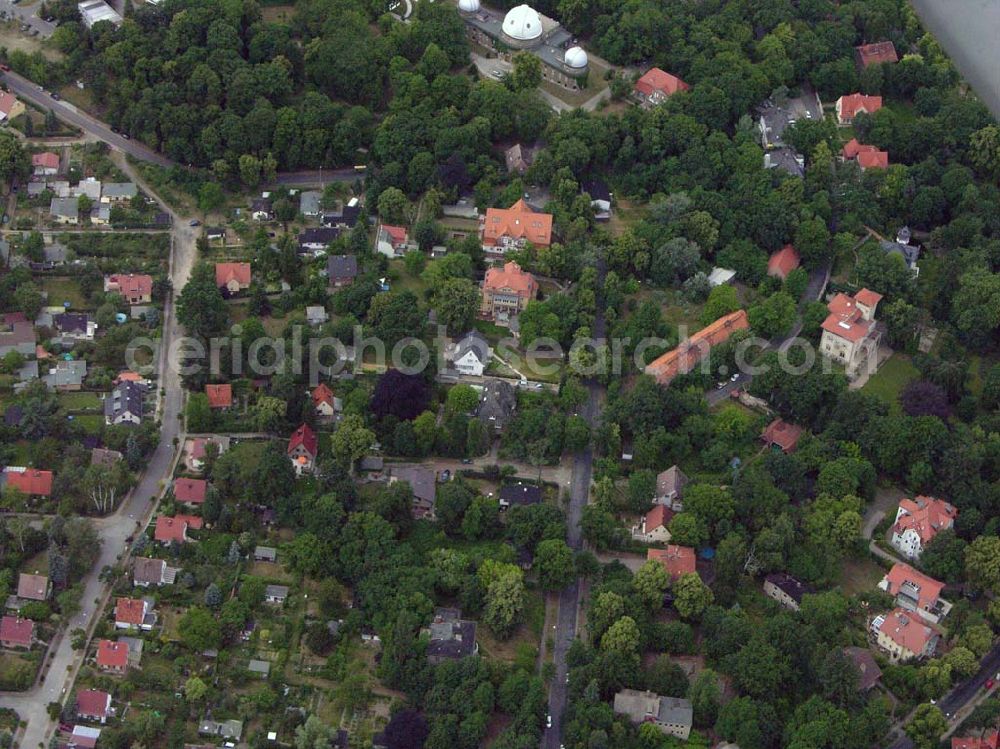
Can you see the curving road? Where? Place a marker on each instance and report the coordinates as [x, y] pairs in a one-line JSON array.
[[64, 662]]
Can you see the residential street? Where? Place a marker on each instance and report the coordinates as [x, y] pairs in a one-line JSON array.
[[134, 512]]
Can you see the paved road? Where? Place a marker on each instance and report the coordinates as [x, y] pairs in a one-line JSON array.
[[961, 696], [31, 706], [569, 599], [28, 15]]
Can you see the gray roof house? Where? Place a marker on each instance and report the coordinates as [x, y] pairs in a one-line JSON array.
[[671, 715], [497, 404], [66, 375], [16, 334], [519, 495], [65, 210], [910, 253], [316, 239], [786, 160], [422, 481], [115, 192], [470, 354], [75, 325], [670, 488], [124, 405], [309, 202], [341, 270], [276, 593], [451, 637], [265, 554], [227, 729], [261, 668]]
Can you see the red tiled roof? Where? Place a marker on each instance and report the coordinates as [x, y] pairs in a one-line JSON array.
[[511, 277], [925, 516], [191, 491], [908, 630], [783, 262], [852, 148], [130, 611], [656, 79], [32, 587], [175, 528], [519, 221], [677, 560], [873, 159], [30, 481], [112, 654], [219, 396], [92, 702], [989, 741], [851, 104], [128, 377], [929, 588], [659, 517], [7, 102], [18, 631], [397, 234], [846, 320], [877, 52], [132, 284], [46, 160], [305, 437], [226, 272], [786, 436], [687, 355], [322, 394]]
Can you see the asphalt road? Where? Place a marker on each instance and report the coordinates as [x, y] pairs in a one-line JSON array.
[[964, 693], [569, 599], [116, 528]]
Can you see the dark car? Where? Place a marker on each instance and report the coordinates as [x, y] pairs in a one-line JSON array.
[[56, 96]]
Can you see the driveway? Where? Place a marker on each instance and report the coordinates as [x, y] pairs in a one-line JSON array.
[[27, 15]]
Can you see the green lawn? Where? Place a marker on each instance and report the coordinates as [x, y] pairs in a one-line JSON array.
[[80, 401], [61, 290], [890, 380], [90, 423]]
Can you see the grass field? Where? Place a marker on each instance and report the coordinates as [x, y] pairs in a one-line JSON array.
[[857, 575], [890, 380], [80, 401], [90, 423], [61, 290]]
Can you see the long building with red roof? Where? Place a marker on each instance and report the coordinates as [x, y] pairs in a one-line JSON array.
[[689, 353], [30, 481]]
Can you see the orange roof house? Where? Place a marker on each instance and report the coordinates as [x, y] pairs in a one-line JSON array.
[[112, 656], [918, 521], [990, 740], [873, 160], [10, 106], [505, 228], [783, 262], [686, 356], [852, 148], [29, 481], [903, 635], [45, 161], [852, 318], [323, 399], [875, 54], [849, 106], [915, 591], [134, 287], [219, 396], [232, 276], [656, 85], [130, 611], [779, 433], [175, 529], [506, 292], [16, 632], [677, 560]]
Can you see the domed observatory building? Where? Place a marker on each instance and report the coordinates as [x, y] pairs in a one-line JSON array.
[[524, 28]]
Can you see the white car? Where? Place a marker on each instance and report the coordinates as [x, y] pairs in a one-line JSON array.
[[548, 721], [498, 74]]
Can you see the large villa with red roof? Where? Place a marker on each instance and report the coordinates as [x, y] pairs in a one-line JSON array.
[[676, 560], [655, 86], [506, 292], [915, 591], [512, 228], [904, 636], [850, 334], [918, 521]]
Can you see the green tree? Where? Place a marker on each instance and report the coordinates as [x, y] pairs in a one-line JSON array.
[[351, 441], [554, 564], [651, 582], [691, 596], [982, 563], [210, 197], [527, 72], [393, 207], [774, 316], [195, 689], [199, 629], [314, 734], [621, 637], [14, 160], [504, 585], [984, 151], [457, 302], [200, 307], [721, 301], [461, 399], [705, 695], [926, 726]]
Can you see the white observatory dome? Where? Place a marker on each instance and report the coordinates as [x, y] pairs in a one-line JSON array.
[[522, 23], [468, 6], [575, 57]]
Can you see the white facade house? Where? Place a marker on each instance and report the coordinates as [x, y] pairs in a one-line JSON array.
[[918, 521]]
